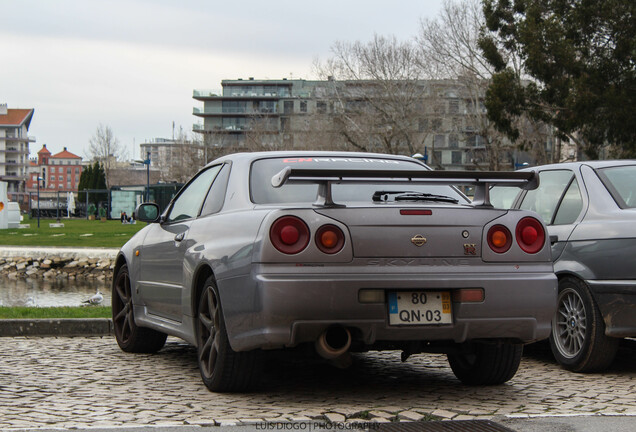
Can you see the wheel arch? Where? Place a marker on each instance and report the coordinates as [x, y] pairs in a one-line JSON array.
[[120, 261], [202, 274]]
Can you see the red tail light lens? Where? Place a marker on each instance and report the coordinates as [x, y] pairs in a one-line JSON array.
[[530, 235], [289, 235], [329, 239], [499, 238]]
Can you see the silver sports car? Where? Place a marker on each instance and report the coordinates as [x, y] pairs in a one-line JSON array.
[[590, 210], [347, 252]]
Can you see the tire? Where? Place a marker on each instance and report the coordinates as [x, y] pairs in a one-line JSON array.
[[222, 369], [578, 340], [488, 364], [129, 336]]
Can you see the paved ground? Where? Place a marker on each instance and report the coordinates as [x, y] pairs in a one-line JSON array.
[[89, 382]]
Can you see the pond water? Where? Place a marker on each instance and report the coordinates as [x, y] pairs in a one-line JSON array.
[[46, 293]]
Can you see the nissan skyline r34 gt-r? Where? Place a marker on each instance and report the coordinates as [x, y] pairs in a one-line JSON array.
[[348, 252]]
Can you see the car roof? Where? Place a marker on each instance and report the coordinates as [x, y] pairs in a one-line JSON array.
[[596, 164], [251, 156]]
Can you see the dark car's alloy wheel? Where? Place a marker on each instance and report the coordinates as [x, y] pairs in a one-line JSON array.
[[222, 368], [131, 338], [578, 338]]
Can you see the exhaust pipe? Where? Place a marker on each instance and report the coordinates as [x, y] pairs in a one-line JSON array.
[[333, 342]]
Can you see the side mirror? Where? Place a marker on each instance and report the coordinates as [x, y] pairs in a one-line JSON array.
[[147, 212]]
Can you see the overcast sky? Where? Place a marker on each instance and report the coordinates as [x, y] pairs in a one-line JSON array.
[[133, 64]]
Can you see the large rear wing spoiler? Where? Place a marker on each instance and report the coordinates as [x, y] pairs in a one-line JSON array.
[[481, 180]]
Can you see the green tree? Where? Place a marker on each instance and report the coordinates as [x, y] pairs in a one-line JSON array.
[[579, 57], [93, 177]]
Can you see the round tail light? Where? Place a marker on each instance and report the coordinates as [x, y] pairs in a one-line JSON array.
[[329, 239], [499, 239], [289, 235], [530, 235]]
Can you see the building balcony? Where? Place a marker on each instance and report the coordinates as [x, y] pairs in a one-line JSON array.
[[204, 95], [234, 112], [18, 139], [14, 150], [13, 177], [232, 129], [12, 163]]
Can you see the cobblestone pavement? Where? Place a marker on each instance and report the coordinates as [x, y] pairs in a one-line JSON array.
[[89, 382]]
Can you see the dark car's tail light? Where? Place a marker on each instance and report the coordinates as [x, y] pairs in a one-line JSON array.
[[329, 239], [289, 235], [530, 235], [499, 238]]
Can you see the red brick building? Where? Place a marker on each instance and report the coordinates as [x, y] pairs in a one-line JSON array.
[[59, 172]]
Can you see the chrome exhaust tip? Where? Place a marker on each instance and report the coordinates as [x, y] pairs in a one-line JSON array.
[[333, 342]]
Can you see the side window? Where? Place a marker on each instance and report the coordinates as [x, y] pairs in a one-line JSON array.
[[570, 206], [188, 203], [216, 196], [545, 199]]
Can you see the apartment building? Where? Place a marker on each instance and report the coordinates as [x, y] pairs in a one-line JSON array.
[[58, 172], [14, 149], [443, 120]]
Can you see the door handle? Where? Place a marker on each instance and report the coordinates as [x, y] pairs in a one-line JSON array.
[[179, 237]]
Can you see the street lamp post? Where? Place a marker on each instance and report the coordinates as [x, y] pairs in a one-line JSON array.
[[39, 178], [147, 163]]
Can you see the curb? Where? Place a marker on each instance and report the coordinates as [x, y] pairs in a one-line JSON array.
[[56, 327]]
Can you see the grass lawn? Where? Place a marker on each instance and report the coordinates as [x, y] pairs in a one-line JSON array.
[[54, 312], [76, 233]]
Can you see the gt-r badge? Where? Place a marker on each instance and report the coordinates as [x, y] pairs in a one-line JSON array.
[[418, 240], [470, 249]]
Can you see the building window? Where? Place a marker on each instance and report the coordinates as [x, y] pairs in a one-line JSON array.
[[288, 107], [453, 106], [61, 178], [321, 107], [52, 169], [76, 170], [439, 141], [52, 178], [68, 171], [456, 157], [303, 106], [436, 125], [453, 142]]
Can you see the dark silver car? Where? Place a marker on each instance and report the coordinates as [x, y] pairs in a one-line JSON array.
[[590, 211], [342, 251]]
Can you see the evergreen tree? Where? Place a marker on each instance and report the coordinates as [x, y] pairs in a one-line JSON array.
[[580, 57]]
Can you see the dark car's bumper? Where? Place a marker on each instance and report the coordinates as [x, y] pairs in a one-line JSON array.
[[617, 303], [272, 309]]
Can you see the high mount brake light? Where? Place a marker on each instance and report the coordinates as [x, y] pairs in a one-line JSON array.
[[289, 235], [530, 235], [499, 239], [329, 239]]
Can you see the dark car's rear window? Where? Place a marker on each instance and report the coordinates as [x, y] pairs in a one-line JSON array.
[[621, 182], [263, 170]]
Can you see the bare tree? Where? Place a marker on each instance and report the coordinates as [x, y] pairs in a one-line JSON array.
[[450, 50], [106, 148], [374, 95]]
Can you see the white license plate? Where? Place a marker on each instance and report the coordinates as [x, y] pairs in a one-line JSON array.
[[420, 307]]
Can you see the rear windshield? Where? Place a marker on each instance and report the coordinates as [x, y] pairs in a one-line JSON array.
[[621, 182], [263, 170]]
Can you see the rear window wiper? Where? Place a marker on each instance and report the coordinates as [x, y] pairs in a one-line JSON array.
[[411, 196]]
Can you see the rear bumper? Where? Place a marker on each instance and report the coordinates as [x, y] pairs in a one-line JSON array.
[[281, 309], [617, 302]]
